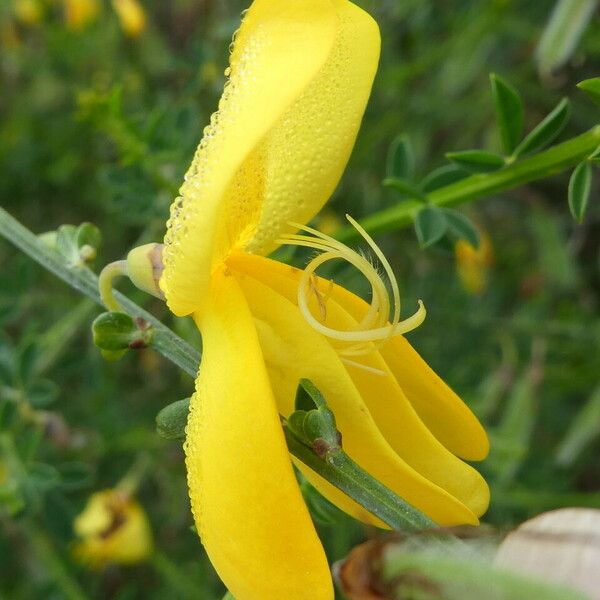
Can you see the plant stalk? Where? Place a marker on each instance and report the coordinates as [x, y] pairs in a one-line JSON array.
[[547, 163]]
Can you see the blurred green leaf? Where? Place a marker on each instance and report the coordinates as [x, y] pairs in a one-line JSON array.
[[583, 430], [592, 88], [509, 113], [462, 227], [404, 187], [441, 177], [41, 393], [74, 475], [43, 476], [563, 32], [400, 160], [476, 161], [430, 225], [547, 131], [579, 190]]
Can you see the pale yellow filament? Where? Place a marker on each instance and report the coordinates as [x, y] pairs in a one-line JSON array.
[[375, 328]]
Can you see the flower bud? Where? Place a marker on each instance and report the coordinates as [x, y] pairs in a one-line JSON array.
[[145, 267]]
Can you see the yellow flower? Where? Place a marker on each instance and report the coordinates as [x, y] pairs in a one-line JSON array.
[[473, 264], [131, 16], [80, 13], [300, 76], [28, 12], [112, 528]]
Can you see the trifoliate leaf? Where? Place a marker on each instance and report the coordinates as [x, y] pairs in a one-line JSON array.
[[579, 190], [547, 131], [509, 113], [430, 225], [477, 161]]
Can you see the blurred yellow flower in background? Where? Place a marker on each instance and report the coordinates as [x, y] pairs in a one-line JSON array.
[[28, 12], [113, 528], [132, 16], [80, 13], [473, 264]]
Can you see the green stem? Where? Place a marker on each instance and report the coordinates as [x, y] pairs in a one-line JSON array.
[[552, 161], [105, 283], [342, 472], [83, 280]]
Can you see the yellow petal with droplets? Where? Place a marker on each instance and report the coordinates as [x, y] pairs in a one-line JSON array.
[[301, 74], [246, 502], [442, 411], [293, 350]]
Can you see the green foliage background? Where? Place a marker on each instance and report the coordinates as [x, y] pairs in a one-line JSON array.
[[99, 127]]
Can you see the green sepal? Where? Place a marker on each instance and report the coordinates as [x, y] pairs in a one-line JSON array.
[[172, 419], [314, 427]]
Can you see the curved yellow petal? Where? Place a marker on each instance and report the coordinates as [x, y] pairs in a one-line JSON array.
[[292, 350], [246, 502], [301, 74], [443, 412]]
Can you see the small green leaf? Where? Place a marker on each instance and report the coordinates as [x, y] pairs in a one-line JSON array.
[[88, 235], [547, 131], [595, 155], [430, 225], [579, 190], [400, 159], [509, 113], [439, 178], [477, 161], [592, 89], [74, 475], [171, 420], [77, 245], [43, 476], [462, 227], [582, 431], [404, 187]]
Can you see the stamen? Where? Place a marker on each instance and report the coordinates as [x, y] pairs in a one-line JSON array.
[[358, 365], [375, 328]]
